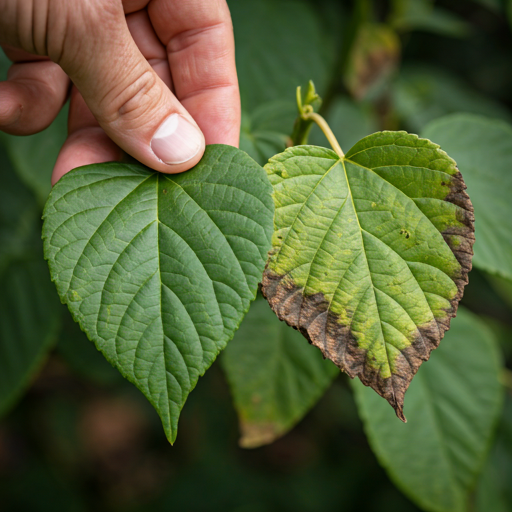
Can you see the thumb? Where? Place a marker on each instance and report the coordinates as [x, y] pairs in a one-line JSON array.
[[131, 103]]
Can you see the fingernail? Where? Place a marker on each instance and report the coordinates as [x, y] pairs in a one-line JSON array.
[[176, 140]]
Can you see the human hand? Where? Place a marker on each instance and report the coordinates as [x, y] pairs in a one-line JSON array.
[[155, 78]]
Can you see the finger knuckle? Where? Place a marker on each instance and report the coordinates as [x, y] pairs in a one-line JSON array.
[[131, 103]]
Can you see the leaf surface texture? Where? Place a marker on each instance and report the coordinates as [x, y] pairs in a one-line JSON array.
[[159, 270]]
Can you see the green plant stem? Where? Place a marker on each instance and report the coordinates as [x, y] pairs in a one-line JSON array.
[[326, 129], [308, 116]]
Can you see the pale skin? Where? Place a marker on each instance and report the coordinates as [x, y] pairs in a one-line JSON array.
[[127, 65]]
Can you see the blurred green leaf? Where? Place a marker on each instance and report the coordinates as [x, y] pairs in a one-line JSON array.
[[482, 149], [452, 407], [29, 325], [267, 130], [494, 490], [349, 121], [423, 93], [34, 156], [82, 356], [29, 307], [493, 5], [280, 45], [19, 213], [503, 287], [274, 375], [372, 59], [425, 16], [159, 270]]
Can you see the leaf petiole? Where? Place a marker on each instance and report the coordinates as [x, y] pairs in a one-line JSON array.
[[308, 116]]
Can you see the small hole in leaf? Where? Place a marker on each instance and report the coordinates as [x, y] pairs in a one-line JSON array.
[[406, 233]]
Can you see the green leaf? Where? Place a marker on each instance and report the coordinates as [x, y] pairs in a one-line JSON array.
[[29, 307], [493, 5], [34, 156], [18, 214], [267, 130], [279, 45], [483, 150], [159, 270], [29, 324], [424, 93], [370, 253], [494, 492], [453, 404], [274, 376], [423, 15]]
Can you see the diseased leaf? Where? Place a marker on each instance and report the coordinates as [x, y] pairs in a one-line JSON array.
[[370, 253], [159, 270], [275, 378], [483, 150], [372, 58], [453, 405]]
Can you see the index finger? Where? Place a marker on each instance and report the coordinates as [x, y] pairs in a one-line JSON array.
[[198, 36]]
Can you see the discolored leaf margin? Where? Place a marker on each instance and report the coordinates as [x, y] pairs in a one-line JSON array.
[[416, 168]]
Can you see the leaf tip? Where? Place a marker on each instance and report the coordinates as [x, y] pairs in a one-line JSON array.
[[255, 435], [399, 410]]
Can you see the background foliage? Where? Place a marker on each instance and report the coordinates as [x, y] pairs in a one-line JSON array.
[[80, 437]]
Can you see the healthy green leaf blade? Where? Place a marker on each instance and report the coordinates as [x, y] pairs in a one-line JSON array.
[[370, 253], [159, 270], [275, 378], [453, 404], [483, 150]]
